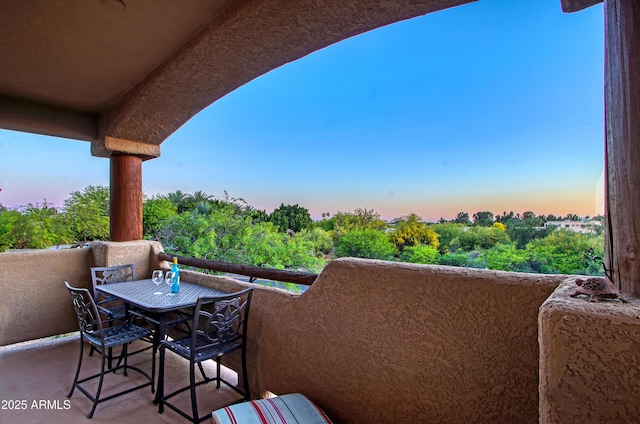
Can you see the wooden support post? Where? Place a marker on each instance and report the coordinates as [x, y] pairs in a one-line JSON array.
[[126, 197], [622, 106]]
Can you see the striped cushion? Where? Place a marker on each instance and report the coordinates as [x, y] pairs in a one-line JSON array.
[[285, 409]]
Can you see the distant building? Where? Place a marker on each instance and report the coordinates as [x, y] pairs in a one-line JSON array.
[[583, 226]]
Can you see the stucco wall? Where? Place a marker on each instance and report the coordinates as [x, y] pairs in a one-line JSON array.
[[34, 301], [589, 359], [370, 341], [142, 254], [382, 342]]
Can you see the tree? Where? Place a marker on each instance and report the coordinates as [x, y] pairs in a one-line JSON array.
[[419, 255], [462, 218], [291, 217], [454, 259], [448, 235], [155, 212], [230, 236], [412, 231], [87, 213], [327, 223], [8, 222], [572, 217], [320, 240], [505, 217], [483, 219], [197, 197], [506, 257], [482, 238], [562, 252], [524, 231], [180, 199], [299, 254], [40, 226], [360, 219], [500, 226], [530, 219], [198, 201], [370, 244], [257, 215]]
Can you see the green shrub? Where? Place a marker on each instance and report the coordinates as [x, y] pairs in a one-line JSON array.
[[370, 244], [420, 255]]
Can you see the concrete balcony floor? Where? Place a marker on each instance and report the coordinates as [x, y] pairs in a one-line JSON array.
[[41, 374]]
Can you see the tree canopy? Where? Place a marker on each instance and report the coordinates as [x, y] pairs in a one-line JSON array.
[[155, 212], [360, 219], [291, 217], [40, 226], [367, 243], [411, 230], [229, 229], [88, 213]]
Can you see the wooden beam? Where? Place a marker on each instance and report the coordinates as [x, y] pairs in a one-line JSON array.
[[297, 277], [622, 115], [126, 197]]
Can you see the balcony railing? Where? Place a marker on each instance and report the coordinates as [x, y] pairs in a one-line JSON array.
[[287, 276]]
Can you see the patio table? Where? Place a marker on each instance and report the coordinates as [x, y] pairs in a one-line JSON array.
[[141, 294]]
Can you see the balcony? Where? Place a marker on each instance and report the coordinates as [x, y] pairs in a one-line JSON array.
[[370, 341]]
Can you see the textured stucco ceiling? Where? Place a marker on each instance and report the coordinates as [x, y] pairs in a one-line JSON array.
[[577, 5], [126, 74]]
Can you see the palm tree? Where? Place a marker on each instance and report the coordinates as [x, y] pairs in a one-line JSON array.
[[198, 196], [203, 208], [179, 199]]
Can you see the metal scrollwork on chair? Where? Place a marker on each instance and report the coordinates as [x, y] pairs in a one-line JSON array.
[[83, 311], [112, 307], [225, 322], [218, 327], [117, 275]]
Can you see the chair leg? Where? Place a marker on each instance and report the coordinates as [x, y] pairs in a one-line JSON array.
[[218, 377], [245, 376], [204, 375], [125, 348], [97, 396], [192, 382], [110, 356], [153, 368], [75, 379]]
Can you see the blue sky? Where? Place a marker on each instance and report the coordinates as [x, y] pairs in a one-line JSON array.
[[495, 105]]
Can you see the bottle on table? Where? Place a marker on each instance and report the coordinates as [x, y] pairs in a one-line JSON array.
[[175, 286]]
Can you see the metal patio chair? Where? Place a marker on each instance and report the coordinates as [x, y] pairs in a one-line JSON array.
[[93, 331], [114, 308], [219, 326]]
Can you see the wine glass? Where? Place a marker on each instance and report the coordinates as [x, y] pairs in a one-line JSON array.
[[168, 278], [157, 277]]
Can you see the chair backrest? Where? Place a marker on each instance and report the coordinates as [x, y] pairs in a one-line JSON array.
[[86, 310], [221, 321], [111, 274]]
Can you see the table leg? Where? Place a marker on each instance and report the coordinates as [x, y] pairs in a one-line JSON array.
[[158, 337]]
